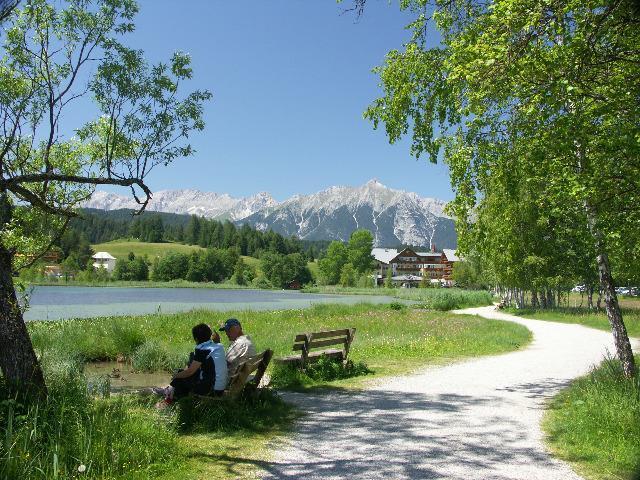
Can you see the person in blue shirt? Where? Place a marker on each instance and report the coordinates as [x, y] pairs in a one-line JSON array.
[[206, 373]]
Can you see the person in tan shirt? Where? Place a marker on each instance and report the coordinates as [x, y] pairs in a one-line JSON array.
[[241, 347]]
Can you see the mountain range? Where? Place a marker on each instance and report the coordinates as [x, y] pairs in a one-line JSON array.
[[393, 216]]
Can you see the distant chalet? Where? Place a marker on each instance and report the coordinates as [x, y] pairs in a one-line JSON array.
[[409, 268], [104, 260]]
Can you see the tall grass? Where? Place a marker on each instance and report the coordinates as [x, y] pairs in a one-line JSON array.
[[596, 423], [72, 431], [383, 335], [445, 298], [431, 298]]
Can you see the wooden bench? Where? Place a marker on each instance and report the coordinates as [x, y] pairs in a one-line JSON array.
[[309, 343], [240, 380]]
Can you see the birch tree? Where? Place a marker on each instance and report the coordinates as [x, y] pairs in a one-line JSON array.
[[556, 82], [62, 61]]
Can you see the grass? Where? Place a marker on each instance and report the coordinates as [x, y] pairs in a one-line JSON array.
[[121, 248], [431, 298], [595, 424], [71, 430], [386, 338], [324, 370], [578, 300], [584, 317], [221, 440]]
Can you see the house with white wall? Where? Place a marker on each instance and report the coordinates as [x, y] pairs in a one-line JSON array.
[[104, 260]]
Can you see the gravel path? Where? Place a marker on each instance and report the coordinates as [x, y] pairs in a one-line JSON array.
[[476, 419]]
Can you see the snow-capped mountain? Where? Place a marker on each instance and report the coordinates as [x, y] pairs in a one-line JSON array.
[[394, 216], [192, 202]]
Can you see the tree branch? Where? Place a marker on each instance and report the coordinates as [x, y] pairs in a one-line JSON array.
[[15, 185]]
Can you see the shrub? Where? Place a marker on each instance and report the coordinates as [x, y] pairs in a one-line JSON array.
[[325, 369], [172, 266], [131, 269], [283, 269], [261, 282], [347, 275], [397, 306]]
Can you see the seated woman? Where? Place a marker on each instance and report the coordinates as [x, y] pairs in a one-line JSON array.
[[206, 373]]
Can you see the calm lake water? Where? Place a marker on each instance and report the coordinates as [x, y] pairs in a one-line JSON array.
[[55, 303]]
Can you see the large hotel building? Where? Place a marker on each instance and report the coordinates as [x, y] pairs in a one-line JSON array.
[[409, 268]]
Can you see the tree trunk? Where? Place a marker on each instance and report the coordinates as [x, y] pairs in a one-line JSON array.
[[550, 300], [18, 360], [534, 299], [618, 329], [589, 297]]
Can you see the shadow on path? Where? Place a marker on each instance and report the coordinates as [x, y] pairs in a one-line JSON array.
[[379, 434]]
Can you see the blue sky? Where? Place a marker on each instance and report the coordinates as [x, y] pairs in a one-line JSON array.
[[290, 80]]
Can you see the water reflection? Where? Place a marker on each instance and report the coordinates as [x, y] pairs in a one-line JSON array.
[[123, 378]]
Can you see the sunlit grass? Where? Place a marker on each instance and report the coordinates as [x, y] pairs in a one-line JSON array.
[[595, 424], [582, 316], [385, 337], [121, 248]]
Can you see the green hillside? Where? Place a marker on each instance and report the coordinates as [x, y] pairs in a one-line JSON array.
[[121, 248]]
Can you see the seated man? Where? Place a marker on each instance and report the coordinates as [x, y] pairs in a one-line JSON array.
[[241, 347], [206, 373]]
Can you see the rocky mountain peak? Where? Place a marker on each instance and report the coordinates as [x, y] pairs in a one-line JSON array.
[[394, 216]]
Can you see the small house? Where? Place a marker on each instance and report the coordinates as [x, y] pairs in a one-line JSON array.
[[104, 260]]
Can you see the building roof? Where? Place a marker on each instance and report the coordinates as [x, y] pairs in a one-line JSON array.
[[384, 255], [429, 254], [451, 255], [103, 256]]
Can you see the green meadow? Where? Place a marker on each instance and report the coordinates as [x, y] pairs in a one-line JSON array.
[[123, 436], [121, 248]]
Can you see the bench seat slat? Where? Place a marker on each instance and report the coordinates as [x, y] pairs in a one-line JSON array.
[[301, 337], [305, 343], [321, 343], [326, 343], [313, 356]]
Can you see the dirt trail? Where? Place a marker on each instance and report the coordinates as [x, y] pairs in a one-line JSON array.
[[476, 419]]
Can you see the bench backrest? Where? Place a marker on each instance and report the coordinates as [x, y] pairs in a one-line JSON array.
[[305, 342], [257, 364]]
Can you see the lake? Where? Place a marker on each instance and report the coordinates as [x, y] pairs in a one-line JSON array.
[[58, 302]]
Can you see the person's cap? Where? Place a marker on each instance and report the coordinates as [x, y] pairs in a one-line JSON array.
[[228, 324]]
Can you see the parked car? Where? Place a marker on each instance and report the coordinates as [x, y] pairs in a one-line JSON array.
[[579, 289]]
